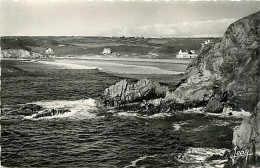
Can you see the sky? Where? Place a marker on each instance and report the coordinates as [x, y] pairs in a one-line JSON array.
[[121, 18]]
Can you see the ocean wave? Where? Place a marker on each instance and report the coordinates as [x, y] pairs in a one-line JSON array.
[[81, 109], [134, 163], [138, 115], [200, 156], [176, 126], [227, 112]]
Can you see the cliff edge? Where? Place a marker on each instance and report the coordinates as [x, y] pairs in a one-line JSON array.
[[226, 73]]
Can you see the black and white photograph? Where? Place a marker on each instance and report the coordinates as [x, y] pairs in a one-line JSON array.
[[130, 84]]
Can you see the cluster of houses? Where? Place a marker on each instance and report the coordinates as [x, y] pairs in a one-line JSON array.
[[191, 53], [107, 51], [186, 54]]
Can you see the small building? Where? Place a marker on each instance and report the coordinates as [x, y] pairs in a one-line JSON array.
[[186, 54], [107, 51], [49, 51], [207, 42]]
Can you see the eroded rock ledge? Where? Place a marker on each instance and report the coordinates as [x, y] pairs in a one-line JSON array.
[[124, 92]]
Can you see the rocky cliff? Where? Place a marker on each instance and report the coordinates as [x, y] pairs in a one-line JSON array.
[[226, 73]]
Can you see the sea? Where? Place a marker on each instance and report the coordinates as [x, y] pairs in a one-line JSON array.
[[90, 136]]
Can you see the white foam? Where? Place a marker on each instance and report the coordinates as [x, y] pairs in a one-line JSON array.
[[225, 113], [133, 163], [134, 114], [239, 114], [62, 65], [78, 108], [195, 110], [198, 156], [127, 114], [159, 115], [176, 127]]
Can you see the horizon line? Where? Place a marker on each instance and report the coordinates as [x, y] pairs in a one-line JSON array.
[[109, 36]]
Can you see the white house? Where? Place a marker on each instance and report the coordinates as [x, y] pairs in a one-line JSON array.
[[186, 54], [207, 42], [49, 51], [107, 51], [203, 44]]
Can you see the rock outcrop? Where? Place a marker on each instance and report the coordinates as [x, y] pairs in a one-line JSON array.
[[29, 109], [24, 110], [52, 112], [123, 92], [37, 111], [19, 53]]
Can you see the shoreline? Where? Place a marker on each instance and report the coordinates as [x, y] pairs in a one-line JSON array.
[[130, 59], [102, 58]]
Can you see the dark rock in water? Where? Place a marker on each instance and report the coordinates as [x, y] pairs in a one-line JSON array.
[[124, 92], [36, 111], [215, 157], [32, 107], [214, 106], [51, 112], [29, 109], [27, 112], [230, 113]]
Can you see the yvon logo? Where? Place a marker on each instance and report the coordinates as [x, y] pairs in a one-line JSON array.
[[238, 154]]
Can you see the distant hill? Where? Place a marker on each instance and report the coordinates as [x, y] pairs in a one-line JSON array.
[[124, 47]]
